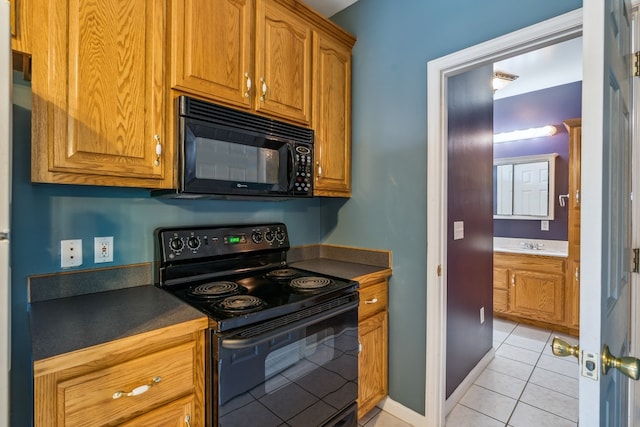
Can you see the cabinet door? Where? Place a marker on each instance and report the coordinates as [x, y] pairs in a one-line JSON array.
[[500, 289], [573, 299], [283, 63], [537, 295], [99, 95], [332, 117], [211, 41], [372, 362]]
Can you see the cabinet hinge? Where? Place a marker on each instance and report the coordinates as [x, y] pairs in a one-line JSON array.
[[439, 270], [636, 64], [635, 264]]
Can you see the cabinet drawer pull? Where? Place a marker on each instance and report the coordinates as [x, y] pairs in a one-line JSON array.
[[513, 280], [371, 301], [187, 420], [138, 390]]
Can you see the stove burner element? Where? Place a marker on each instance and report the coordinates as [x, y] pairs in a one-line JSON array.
[[241, 304], [310, 283], [282, 273], [215, 290]]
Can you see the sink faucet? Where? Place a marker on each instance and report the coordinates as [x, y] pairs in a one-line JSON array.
[[534, 246]]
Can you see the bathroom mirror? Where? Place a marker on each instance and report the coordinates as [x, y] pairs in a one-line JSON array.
[[524, 187]]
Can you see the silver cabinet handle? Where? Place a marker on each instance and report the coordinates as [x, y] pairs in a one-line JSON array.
[[138, 390], [513, 280], [319, 169], [187, 420], [371, 301]]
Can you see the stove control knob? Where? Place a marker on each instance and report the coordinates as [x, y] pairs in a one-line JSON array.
[[176, 244], [256, 236], [280, 236], [193, 242], [269, 236]]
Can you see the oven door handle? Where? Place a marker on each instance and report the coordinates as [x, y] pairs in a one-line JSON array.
[[241, 343]]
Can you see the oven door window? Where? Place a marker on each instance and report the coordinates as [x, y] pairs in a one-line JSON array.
[[224, 161], [302, 377]]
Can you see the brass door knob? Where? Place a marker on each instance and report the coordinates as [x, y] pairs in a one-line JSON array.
[[629, 366], [560, 347]]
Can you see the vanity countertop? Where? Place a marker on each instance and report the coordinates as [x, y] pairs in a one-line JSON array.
[[557, 248]]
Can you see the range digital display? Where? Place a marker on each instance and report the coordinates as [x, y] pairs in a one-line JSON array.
[[234, 240]]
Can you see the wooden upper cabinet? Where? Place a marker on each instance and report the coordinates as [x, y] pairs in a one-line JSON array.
[[253, 54], [20, 12], [332, 117], [283, 62], [99, 94], [212, 49]]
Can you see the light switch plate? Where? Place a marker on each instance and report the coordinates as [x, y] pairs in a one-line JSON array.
[[458, 230], [544, 225]]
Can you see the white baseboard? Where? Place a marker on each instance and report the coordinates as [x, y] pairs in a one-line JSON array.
[[400, 411], [468, 381]]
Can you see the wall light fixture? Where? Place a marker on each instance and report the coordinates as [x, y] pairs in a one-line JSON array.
[[501, 79], [516, 135]]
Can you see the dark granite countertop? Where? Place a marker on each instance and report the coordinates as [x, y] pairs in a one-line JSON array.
[[63, 325], [342, 269], [340, 261]]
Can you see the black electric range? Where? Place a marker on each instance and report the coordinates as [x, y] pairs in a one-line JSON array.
[[238, 275]]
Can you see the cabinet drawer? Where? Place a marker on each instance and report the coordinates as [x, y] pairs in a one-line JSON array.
[[373, 299], [89, 399], [178, 413]]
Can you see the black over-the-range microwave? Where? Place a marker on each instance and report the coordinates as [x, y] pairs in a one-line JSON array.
[[226, 153]]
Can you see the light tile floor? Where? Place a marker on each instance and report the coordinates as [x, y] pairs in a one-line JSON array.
[[523, 386]]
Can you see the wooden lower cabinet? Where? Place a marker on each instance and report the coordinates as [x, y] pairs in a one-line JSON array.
[[373, 336], [151, 379], [533, 289]]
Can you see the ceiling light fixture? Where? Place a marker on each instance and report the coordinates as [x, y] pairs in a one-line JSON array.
[[502, 79], [516, 135]]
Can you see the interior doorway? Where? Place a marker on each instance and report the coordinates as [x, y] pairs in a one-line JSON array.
[[556, 30]]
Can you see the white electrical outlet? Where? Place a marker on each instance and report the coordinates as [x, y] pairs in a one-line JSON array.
[[481, 315], [544, 225], [103, 249], [70, 253]]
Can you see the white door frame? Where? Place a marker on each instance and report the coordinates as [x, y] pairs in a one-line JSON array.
[[548, 32], [634, 395]]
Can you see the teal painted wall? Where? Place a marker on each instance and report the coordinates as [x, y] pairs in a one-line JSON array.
[[44, 214], [396, 39]]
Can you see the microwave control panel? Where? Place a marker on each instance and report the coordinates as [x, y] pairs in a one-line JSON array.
[[303, 182]]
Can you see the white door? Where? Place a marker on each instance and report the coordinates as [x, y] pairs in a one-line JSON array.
[[5, 196], [606, 220]]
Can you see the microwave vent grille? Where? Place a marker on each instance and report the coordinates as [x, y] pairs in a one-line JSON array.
[[213, 113]]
